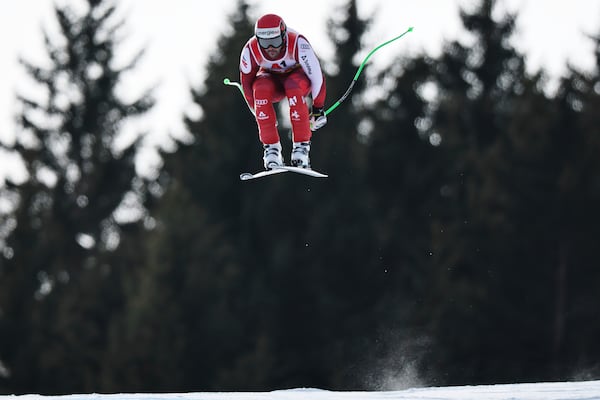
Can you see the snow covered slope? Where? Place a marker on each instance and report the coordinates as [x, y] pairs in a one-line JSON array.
[[533, 391]]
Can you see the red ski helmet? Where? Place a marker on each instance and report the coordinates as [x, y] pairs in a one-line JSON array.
[[270, 30]]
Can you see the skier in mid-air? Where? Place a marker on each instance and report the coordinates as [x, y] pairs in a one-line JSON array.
[[276, 63]]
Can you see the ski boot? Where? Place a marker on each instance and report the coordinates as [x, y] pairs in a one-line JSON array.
[[272, 157], [300, 152]]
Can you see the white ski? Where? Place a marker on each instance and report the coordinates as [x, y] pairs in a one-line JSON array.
[[285, 168]]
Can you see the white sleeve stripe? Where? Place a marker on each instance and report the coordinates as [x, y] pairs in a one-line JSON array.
[[310, 64]]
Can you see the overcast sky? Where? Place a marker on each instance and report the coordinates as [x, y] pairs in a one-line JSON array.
[[180, 34]]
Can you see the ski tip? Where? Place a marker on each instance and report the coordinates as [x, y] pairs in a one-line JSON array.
[[245, 176]]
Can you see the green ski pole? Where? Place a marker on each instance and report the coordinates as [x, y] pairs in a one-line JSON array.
[[362, 65]]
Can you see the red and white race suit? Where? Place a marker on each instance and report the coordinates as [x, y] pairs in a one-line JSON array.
[[295, 75]]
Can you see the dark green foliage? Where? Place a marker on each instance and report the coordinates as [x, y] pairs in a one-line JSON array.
[[505, 253], [453, 243], [58, 287]]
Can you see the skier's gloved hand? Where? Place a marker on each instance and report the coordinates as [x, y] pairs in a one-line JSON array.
[[317, 118]]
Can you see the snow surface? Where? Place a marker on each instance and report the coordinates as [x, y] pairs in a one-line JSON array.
[[528, 391]]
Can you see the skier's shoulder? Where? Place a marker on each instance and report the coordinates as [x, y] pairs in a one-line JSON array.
[[295, 36], [250, 56], [250, 43], [301, 42], [251, 50]]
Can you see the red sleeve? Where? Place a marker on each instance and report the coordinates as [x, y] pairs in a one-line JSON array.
[[319, 101]]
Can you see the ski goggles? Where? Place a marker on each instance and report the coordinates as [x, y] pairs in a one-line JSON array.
[[272, 42]]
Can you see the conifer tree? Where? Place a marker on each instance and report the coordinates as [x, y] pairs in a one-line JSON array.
[[404, 172], [325, 232], [194, 256], [245, 267], [572, 169], [509, 240], [58, 292], [477, 88]]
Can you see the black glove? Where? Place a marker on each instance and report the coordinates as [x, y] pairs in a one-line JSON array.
[[317, 118]]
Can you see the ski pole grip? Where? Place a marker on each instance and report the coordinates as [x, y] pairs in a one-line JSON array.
[[227, 81]]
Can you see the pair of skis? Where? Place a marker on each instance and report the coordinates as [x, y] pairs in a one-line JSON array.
[[246, 176]]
